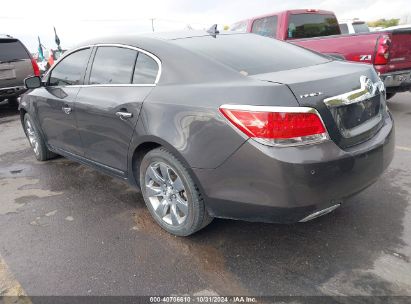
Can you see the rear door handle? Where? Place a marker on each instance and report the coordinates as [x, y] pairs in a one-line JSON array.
[[124, 115], [66, 109]]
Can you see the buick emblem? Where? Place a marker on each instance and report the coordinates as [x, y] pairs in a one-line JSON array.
[[368, 85]]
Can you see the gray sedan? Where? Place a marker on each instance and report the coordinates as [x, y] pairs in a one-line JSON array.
[[210, 124]]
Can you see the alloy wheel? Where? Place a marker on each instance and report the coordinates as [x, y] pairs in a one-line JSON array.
[[166, 193], [32, 137]]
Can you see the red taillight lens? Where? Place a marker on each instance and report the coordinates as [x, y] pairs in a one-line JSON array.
[[35, 67], [383, 50], [277, 126]]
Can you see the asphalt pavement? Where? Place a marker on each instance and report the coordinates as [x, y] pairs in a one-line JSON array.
[[66, 229]]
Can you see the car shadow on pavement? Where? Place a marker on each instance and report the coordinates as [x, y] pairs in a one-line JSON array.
[[324, 256], [7, 109]]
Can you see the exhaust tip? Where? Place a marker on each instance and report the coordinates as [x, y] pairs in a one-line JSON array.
[[320, 213]]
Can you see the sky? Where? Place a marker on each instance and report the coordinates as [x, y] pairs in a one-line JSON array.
[[78, 20]]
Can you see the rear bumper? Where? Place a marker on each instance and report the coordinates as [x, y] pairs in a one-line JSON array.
[[399, 81], [11, 91], [285, 185]]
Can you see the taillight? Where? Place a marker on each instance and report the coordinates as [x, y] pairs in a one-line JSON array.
[[383, 50], [277, 126], [35, 67]]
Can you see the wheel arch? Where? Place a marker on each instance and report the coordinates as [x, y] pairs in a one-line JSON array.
[[148, 143]]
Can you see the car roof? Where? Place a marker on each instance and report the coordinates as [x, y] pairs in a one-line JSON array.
[[165, 48], [157, 36]]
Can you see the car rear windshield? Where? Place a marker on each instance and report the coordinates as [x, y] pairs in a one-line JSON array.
[[360, 27], [12, 49], [312, 25], [252, 54]]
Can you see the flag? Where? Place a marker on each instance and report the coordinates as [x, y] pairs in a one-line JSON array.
[[40, 50], [57, 39]]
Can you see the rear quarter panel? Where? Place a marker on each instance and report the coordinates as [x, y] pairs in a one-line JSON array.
[[186, 118]]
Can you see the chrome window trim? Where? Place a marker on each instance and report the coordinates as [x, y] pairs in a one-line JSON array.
[[111, 85], [154, 57]]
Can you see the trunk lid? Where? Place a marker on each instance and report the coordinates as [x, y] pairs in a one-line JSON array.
[[345, 94]]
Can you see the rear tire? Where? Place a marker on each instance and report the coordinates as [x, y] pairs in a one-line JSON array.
[[171, 195], [36, 140]]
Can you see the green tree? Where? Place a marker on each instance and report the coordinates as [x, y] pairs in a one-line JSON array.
[[384, 22]]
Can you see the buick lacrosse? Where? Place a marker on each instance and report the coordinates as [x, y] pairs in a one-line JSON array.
[[210, 124]]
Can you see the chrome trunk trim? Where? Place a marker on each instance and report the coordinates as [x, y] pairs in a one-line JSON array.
[[367, 90]]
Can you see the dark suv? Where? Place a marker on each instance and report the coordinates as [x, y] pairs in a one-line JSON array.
[[16, 64]]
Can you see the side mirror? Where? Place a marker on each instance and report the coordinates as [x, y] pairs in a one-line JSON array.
[[33, 82]]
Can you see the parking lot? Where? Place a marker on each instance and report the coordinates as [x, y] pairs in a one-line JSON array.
[[66, 229]]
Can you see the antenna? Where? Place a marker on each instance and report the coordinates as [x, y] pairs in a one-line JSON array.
[[152, 23], [213, 30]]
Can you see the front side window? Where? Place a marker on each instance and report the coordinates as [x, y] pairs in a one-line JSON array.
[[146, 70], [266, 26], [113, 65], [312, 25], [69, 71]]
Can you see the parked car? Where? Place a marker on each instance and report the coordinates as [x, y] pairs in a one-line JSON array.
[[389, 51], [354, 27], [16, 64], [215, 124]]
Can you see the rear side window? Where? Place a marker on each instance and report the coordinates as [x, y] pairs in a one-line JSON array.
[[146, 70], [344, 28], [113, 65], [252, 54], [360, 27], [266, 26], [70, 69], [12, 49], [312, 25]]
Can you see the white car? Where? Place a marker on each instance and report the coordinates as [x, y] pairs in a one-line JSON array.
[[354, 27]]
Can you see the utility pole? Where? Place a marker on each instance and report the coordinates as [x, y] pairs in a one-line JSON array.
[[152, 23]]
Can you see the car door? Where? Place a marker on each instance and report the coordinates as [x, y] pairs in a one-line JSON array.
[[55, 102], [108, 106]]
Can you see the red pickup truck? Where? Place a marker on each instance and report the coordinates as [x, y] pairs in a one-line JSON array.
[[318, 30]]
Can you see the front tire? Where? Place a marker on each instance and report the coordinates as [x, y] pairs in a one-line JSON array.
[[36, 140], [171, 195]]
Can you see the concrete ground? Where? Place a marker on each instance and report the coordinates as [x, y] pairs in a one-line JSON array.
[[66, 229]]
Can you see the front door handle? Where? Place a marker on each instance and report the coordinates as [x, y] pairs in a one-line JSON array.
[[66, 109], [124, 115]]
